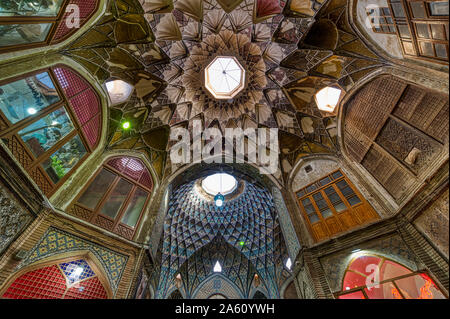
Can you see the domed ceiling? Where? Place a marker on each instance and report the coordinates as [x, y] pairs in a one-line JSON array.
[[289, 50]]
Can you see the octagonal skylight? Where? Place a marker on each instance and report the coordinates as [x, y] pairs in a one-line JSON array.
[[224, 77]]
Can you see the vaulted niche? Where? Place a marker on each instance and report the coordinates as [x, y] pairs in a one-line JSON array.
[[235, 241]]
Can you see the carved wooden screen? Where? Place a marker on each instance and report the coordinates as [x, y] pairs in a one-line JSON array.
[[373, 277], [33, 23], [71, 279], [395, 130], [332, 205], [51, 121], [116, 196]]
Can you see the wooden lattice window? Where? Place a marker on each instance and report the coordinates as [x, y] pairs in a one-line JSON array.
[[33, 23], [381, 20], [332, 205], [116, 196], [374, 277], [422, 27], [68, 279], [51, 121]]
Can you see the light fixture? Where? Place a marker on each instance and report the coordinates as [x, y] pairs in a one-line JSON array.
[[217, 267], [126, 125], [328, 98], [219, 199], [119, 91], [31, 110], [242, 243]]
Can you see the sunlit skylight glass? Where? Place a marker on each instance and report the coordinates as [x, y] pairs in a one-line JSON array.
[[328, 98], [217, 267], [289, 263], [219, 183], [224, 77]]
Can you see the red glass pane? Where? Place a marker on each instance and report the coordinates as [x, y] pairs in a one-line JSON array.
[[88, 289], [146, 180], [391, 270], [44, 283], [70, 82], [92, 130], [353, 295], [86, 7], [419, 287], [133, 168], [360, 264], [85, 106], [353, 280], [383, 291]]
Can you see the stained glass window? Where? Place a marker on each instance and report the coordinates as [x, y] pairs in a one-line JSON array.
[[117, 196], [50, 120], [28, 23], [373, 277], [66, 280]]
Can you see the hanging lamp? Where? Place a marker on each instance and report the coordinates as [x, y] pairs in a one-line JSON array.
[[219, 199]]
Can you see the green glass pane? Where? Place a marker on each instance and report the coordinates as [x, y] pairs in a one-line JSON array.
[[97, 189], [63, 160], [115, 201], [17, 34], [42, 8], [24, 98], [135, 207], [41, 135]]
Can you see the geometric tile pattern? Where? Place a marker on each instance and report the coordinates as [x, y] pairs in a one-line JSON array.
[[55, 242], [244, 234], [70, 267]]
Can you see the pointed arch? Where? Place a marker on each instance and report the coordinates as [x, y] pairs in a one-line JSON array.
[[56, 277], [371, 276]]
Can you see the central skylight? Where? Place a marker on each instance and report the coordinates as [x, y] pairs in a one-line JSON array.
[[224, 77], [219, 183]]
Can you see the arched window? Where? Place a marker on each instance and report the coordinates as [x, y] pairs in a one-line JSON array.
[[70, 279], [176, 295], [51, 122], [27, 24], [332, 205], [373, 277], [116, 196], [259, 295]]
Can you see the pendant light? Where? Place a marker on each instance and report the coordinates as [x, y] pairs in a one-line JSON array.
[[219, 199]]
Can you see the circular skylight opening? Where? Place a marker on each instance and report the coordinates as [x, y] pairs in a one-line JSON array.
[[219, 183], [224, 77]]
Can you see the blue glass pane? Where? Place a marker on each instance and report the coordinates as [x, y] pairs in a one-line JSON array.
[[24, 98], [76, 270], [41, 135]]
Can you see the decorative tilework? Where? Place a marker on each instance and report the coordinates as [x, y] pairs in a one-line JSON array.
[[56, 242], [70, 270], [13, 218], [197, 234], [290, 236]]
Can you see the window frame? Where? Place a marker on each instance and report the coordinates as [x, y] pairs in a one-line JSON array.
[[12, 130], [410, 21], [322, 222], [361, 289], [382, 16], [55, 21], [96, 212]]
